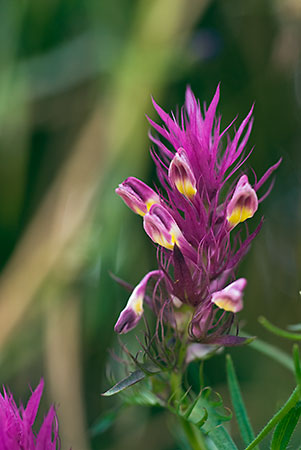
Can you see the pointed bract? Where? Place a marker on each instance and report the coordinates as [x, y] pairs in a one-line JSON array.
[[16, 424]]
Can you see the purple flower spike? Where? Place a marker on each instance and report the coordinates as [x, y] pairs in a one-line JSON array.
[[133, 311], [162, 228], [230, 298], [137, 195], [181, 175], [197, 222], [16, 424], [243, 204]]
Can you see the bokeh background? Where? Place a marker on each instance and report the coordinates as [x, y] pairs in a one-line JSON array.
[[76, 79]]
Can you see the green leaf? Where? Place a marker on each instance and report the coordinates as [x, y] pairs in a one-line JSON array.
[[278, 331], [291, 403], [136, 376], [209, 414], [285, 428], [238, 403], [128, 381], [222, 439]]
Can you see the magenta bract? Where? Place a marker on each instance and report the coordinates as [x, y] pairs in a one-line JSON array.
[[16, 424]]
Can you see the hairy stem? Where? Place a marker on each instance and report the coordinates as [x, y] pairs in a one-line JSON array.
[[291, 402], [193, 434]]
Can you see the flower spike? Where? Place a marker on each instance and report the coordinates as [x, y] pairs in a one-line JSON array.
[[191, 222], [243, 204], [17, 424], [133, 311], [181, 176], [162, 228], [230, 298], [137, 195]]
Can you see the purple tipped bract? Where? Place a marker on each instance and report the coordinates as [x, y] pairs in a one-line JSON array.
[[198, 218], [16, 424]]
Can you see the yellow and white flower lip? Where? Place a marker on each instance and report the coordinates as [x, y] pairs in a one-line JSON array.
[[162, 228], [137, 195], [231, 297], [243, 204], [181, 175], [132, 313]]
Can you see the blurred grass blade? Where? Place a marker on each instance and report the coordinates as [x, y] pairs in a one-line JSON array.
[[285, 428], [272, 352], [221, 438], [244, 424], [295, 327], [278, 331], [104, 422]]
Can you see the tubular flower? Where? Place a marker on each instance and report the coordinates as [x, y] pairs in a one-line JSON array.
[[243, 204], [137, 195], [230, 298], [181, 175], [16, 424], [162, 228], [197, 221], [133, 311]]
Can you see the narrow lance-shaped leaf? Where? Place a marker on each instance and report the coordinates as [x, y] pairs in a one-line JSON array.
[[285, 428], [238, 403], [130, 380]]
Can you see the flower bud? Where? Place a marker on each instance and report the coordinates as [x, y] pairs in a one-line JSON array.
[[162, 228], [230, 298], [132, 313], [243, 204], [180, 174], [137, 195]]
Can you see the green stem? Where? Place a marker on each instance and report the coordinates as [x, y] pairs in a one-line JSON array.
[[273, 329], [194, 435], [294, 398]]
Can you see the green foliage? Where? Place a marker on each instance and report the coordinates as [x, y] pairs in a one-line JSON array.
[[104, 422], [285, 428], [130, 380], [238, 403]]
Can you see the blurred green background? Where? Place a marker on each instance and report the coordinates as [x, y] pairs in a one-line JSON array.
[[76, 79]]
